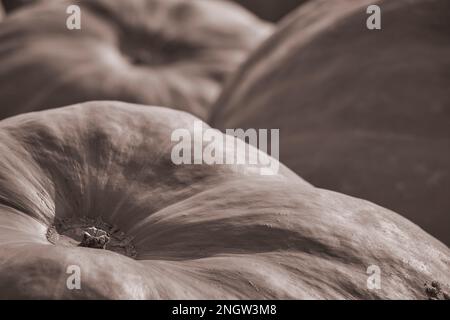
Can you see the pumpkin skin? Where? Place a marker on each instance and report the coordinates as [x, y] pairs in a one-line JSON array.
[[354, 110], [165, 52], [200, 231]]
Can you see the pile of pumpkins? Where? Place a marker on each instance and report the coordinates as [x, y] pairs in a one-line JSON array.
[[87, 180]]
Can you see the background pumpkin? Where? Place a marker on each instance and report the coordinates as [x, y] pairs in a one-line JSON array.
[[198, 231], [169, 52], [366, 113]]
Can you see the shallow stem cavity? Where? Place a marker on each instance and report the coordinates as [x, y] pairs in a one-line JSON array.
[[90, 233]]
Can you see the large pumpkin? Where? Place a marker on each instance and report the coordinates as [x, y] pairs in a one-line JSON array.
[[364, 112], [166, 52], [184, 231]]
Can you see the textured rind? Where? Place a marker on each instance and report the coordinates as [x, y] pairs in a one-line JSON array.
[[209, 232], [362, 112], [163, 52], [10, 5]]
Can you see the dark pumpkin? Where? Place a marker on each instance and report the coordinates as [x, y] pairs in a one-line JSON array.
[[362, 112]]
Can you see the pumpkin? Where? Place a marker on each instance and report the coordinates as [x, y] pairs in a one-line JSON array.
[[363, 112], [93, 186], [167, 52], [269, 9]]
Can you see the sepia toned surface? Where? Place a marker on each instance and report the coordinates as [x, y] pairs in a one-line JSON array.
[[200, 232], [114, 200], [362, 112], [271, 10], [173, 53]]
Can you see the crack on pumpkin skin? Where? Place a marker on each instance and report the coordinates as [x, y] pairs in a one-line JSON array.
[[90, 233]]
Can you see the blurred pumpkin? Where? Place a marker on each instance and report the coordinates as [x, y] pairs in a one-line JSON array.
[[363, 112], [184, 231], [167, 52]]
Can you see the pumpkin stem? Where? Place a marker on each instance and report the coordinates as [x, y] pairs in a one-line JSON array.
[[94, 238], [435, 291], [90, 233]]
